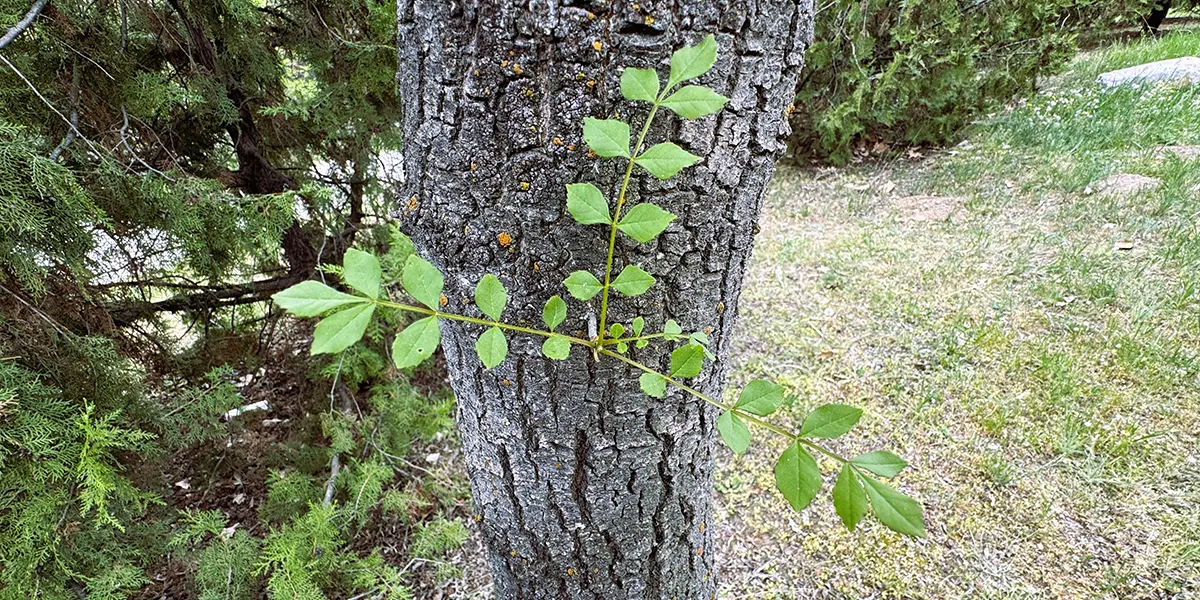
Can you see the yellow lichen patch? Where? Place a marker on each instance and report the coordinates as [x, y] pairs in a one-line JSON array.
[[473, 166], [591, 153], [537, 267], [649, 20], [504, 239], [443, 300], [517, 69], [591, 15], [557, 141], [570, 572], [524, 185], [591, 83], [598, 45], [412, 203], [504, 64], [506, 382]]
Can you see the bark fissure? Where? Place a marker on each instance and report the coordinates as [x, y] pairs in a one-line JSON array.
[[585, 487]]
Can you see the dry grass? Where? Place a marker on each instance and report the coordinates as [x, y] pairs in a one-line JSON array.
[[1031, 349]]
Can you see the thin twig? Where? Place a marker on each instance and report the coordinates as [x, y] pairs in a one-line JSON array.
[[47, 103], [24, 23], [74, 121]]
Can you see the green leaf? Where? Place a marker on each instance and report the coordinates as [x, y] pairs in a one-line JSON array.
[[416, 342], [645, 221], [849, 499], [830, 421], [895, 510], [587, 205], [760, 397], [583, 285], [556, 348], [672, 329], [881, 463], [616, 331], [666, 159], [422, 281], [686, 361], [797, 476], [311, 298], [653, 384], [692, 61], [642, 343], [490, 296], [639, 84], [695, 101], [632, 281], [734, 432], [554, 313], [638, 325], [622, 347], [492, 347], [361, 271], [606, 137], [341, 329]]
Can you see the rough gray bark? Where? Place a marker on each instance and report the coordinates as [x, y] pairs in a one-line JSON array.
[[584, 486]]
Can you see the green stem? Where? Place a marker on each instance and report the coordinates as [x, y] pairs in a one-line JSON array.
[[612, 232], [453, 317], [612, 341], [726, 407]]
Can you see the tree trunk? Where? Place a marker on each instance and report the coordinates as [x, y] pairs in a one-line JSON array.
[[585, 487]]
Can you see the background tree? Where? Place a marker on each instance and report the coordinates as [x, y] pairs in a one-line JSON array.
[[585, 487]]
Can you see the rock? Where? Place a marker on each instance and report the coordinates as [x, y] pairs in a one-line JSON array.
[[1123, 184], [1186, 68], [1184, 153], [927, 208]]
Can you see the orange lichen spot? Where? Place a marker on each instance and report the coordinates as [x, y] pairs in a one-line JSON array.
[[524, 186], [412, 203], [790, 109], [591, 153], [591, 15], [517, 69], [504, 239], [478, 518], [598, 45], [537, 267], [443, 300], [512, 53], [649, 20], [708, 330], [570, 572], [699, 551], [591, 83], [474, 166], [571, 147], [506, 382], [504, 64], [556, 141]]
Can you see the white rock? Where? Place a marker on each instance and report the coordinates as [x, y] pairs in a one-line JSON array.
[[1187, 68]]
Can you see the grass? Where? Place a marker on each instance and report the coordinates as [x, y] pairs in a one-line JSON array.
[[1035, 356]]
